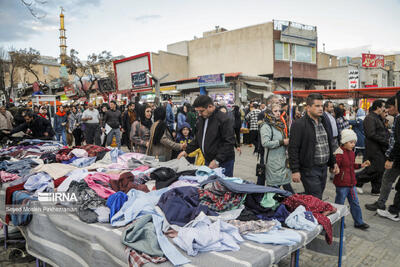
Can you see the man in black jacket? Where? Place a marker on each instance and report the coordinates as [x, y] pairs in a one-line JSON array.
[[35, 126], [113, 119], [311, 148], [214, 136], [128, 118], [376, 144]]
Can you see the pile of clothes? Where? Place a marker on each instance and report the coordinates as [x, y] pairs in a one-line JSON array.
[[160, 205]]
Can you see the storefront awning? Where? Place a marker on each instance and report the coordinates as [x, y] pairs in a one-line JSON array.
[[257, 84], [264, 93]]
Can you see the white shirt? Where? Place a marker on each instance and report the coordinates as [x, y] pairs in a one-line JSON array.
[[91, 113]]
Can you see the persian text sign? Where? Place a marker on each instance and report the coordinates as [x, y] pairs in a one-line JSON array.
[[211, 80], [139, 79], [373, 61], [353, 79]]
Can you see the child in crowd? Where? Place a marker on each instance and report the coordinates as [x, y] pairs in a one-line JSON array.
[[345, 181], [185, 136]]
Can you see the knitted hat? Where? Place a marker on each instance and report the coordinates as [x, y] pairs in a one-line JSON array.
[[347, 136]]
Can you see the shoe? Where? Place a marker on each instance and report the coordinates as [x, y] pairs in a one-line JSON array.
[[375, 193], [374, 206], [363, 226], [387, 214], [359, 190]]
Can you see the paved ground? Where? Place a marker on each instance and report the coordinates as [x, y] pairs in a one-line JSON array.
[[379, 246]]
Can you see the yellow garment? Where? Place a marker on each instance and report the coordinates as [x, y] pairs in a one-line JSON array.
[[200, 161]]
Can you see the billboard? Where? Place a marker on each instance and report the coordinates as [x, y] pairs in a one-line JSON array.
[[211, 80], [373, 61], [353, 79], [140, 79]]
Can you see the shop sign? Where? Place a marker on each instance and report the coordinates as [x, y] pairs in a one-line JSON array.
[[211, 80], [140, 79], [373, 61], [353, 79], [69, 90]]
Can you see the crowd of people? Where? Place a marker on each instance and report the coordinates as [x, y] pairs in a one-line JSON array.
[[321, 137]]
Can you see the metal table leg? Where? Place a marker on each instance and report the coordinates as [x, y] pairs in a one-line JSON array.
[[341, 242], [5, 228], [295, 258]]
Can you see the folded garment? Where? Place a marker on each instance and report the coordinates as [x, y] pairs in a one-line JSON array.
[[55, 170], [80, 153], [227, 201], [64, 155], [115, 202], [141, 236], [139, 259], [87, 197], [83, 162], [201, 235], [276, 236], [178, 165], [301, 219], [253, 226], [21, 167], [182, 183], [181, 205], [246, 188], [39, 182], [7, 177], [100, 183], [318, 207]]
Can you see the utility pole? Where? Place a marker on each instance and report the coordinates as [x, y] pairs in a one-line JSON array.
[[157, 82]]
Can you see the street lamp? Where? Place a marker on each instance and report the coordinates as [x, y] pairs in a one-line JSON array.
[[157, 82]]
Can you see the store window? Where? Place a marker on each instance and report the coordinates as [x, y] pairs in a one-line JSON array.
[[45, 70], [281, 51], [305, 54]]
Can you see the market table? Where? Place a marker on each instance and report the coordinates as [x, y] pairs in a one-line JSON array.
[[64, 240]]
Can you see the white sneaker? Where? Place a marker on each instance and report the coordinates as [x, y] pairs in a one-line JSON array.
[[387, 214], [359, 190]]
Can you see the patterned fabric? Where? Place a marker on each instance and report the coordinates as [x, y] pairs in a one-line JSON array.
[[321, 155], [391, 139], [87, 197], [137, 259], [252, 117], [227, 201], [92, 150], [6, 177], [253, 226], [342, 124], [64, 155], [319, 208]]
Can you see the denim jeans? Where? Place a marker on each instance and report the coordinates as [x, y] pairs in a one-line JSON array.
[[63, 136], [117, 134], [351, 194], [227, 165], [314, 180]]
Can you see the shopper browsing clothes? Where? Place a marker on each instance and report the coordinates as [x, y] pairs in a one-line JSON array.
[[345, 180]]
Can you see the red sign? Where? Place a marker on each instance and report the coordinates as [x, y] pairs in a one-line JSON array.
[[69, 90], [371, 86], [373, 61]]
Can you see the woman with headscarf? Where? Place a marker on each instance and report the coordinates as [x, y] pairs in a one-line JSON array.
[[358, 128], [275, 142], [140, 130], [128, 118], [43, 113], [60, 121], [161, 142]]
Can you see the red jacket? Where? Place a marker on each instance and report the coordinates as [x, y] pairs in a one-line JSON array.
[[345, 159]]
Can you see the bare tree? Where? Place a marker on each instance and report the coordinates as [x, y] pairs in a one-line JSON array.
[[95, 64], [31, 6], [26, 59], [3, 70]]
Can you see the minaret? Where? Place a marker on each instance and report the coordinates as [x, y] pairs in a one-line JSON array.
[[63, 39]]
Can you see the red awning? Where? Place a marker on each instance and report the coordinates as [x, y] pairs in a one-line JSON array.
[[378, 92]]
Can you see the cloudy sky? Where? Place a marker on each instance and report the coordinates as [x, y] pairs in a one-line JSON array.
[[129, 27]]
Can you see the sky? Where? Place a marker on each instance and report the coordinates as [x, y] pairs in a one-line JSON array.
[[130, 27]]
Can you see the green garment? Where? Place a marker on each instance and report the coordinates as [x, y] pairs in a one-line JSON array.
[[268, 201], [141, 236]]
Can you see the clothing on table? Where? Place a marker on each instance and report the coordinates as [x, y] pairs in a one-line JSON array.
[[141, 236], [22, 198], [126, 182], [181, 205], [55, 170], [100, 183], [76, 175], [39, 182], [103, 214], [227, 201], [136, 259], [79, 152], [246, 188], [139, 203], [259, 226], [164, 177], [93, 150], [115, 202], [201, 235], [87, 216], [178, 165], [319, 208], [83, 162], [301, 219], [64, 154], [87, 197], [21, 167], [182, 183], [276, 236], [7, 177]]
